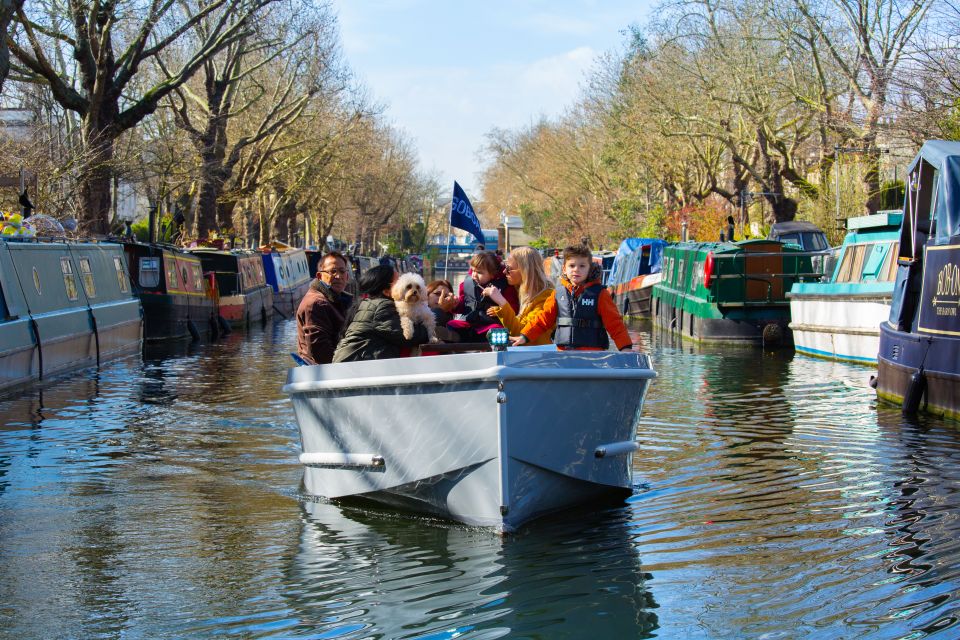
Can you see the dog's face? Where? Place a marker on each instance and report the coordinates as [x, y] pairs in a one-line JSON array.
[[409, 288]]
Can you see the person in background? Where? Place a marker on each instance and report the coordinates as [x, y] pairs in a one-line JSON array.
[[473, 322], [730, 228], [582, 309], [321, 312], [524, 270], [372, 328], [442, 302]]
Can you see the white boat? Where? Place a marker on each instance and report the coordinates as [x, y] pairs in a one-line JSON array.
[[840, 319], [491, 439]]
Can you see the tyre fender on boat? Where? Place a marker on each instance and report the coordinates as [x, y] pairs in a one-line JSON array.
[[914, 393]]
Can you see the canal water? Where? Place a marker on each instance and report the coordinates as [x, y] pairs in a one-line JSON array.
[[774, 498]]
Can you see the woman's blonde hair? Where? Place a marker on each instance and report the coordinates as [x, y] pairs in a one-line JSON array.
[[533, 280]]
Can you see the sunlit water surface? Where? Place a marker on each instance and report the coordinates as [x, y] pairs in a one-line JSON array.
[[159, 498]]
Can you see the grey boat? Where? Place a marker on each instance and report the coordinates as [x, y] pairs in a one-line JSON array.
[[491, 439]]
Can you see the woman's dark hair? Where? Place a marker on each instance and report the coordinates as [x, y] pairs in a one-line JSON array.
[[730, 219], [370, 285]]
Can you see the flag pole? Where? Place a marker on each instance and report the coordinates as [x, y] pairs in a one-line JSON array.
[[446, 261]]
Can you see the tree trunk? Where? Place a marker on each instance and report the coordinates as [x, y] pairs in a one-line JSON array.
[[7, 9], [96, 175], [211, 186]]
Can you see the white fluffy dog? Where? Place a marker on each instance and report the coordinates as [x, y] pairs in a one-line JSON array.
[[409, 293]]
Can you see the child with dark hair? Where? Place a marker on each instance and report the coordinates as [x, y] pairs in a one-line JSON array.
[[372, 325], [582, 309], [473, 322]]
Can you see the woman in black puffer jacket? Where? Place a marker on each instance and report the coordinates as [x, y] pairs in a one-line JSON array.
[[372, 325]]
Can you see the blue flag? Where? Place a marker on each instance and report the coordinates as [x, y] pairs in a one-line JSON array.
[[462, 215]]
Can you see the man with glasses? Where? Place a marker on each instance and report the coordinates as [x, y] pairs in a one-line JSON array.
[[321, 312]]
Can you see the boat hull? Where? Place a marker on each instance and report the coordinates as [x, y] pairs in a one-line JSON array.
[[633, 299], [247, 309], [52, 321], [489, 439], [902, 354], [839, 327]]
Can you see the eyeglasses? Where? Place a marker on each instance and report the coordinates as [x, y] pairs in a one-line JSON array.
[[507, 268], [335, 273]]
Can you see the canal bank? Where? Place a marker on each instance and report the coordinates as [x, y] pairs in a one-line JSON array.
[[159, 497]]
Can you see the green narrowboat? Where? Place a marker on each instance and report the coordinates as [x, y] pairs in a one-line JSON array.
[[730, 291]]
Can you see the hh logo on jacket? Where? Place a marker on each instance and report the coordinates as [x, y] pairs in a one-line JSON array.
[[589, 302]]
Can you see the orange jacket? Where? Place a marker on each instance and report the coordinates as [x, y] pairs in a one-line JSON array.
[[534, 309], [606, 308]]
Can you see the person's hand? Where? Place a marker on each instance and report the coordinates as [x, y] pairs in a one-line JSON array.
[[494, 294], [519, 341], [492, 312], [627, 348], [447, 302]]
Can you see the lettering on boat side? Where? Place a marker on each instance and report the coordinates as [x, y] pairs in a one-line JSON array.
[[940, 297]]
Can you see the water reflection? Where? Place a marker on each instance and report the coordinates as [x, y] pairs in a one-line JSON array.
[[776, 498], [360, 574]]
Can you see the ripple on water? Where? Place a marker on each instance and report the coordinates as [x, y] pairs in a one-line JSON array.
[[774, 498]]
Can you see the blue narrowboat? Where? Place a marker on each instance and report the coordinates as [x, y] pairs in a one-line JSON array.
[[288, 274], [635, 270], [918, 365], [64, 306]]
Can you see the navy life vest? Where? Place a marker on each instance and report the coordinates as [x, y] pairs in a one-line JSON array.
[[475, 304], [578, 319]]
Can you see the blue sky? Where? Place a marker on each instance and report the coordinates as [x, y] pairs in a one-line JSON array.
[[450, 71]]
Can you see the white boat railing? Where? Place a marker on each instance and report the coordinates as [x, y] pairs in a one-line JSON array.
[[490, 374]]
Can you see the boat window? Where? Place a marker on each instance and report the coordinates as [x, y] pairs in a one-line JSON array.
[[149, 272], [890, 268], [790, 238], [36, 282], [852, 266], [86, 276], [813, 241], [172, 279], [197, 277], [121, 274], [69, 279]]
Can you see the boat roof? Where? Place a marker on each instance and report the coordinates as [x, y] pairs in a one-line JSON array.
[[793, 225], [626, 263], [944, 156], [876, 221]]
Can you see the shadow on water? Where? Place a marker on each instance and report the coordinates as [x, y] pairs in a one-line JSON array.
[[374, 574]]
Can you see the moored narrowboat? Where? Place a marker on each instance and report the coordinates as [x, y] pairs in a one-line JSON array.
[[840, 318], [65, 306], [730, 292], [635, 271], [243, 295], [918, 364], [288, 274], [178, 301]]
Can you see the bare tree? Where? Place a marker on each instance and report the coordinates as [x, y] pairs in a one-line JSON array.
[[8, 8], [109, 43], [866, 41]]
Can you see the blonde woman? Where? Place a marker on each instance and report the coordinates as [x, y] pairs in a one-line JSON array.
[[524, 270]]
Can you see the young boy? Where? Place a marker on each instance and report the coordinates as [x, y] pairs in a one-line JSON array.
[[582, 308]]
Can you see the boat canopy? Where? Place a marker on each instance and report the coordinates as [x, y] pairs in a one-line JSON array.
[[631, 262], [944, 158]]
